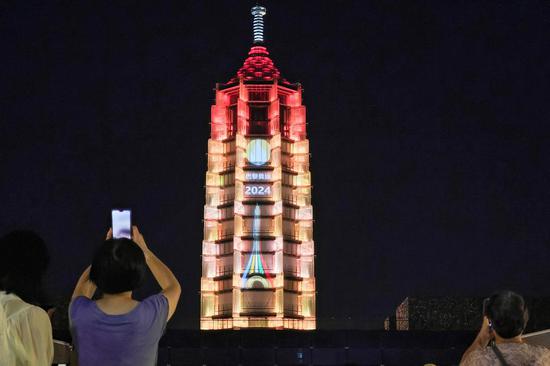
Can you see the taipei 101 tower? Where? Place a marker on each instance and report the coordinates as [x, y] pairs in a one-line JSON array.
[[258, 252]]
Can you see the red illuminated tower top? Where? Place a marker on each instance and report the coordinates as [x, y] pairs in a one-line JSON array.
[[258, 66], [258, 100]]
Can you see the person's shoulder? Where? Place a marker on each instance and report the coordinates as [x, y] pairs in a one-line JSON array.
[[157, 301], [541, 354], [478, 357], [81, 301], [36, 313], [156, 306], [23, 308], [78, 303], [534, 348], [33, 316], [13, 304]]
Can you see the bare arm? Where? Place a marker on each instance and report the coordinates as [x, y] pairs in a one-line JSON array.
[[482, 340], [171, 288], [84, 287]]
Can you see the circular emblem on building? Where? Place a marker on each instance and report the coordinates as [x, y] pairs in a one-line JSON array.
[[258, 152]]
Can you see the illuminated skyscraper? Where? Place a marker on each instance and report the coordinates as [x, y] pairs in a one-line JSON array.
[[258, 253]]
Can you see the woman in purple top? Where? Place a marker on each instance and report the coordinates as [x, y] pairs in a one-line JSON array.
[[116, 329]]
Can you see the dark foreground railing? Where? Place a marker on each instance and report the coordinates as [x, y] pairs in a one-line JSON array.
[[320, 347]]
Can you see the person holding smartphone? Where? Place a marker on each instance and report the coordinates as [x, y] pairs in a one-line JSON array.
[[116, 329], [499, 341]]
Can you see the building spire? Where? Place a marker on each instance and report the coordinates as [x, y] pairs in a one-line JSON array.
[[258, 23]]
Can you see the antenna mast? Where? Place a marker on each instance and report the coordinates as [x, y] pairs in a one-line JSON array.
[[258, 23]]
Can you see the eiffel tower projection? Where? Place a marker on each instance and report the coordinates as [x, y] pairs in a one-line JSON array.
[[258, 251], [255, 274]]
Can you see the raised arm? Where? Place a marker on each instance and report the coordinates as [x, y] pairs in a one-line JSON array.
[[168, 282], [84, 287], [482, 340]]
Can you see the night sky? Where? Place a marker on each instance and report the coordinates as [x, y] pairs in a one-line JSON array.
[[428, 123]]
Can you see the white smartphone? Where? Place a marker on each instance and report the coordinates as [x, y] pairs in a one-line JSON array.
[[122, 224]]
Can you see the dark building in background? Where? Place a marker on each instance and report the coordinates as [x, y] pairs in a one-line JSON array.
[[457, 314], [439, 313]]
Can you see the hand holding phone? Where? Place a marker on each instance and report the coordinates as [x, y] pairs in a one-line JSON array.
[[122, 223], [138, 239]]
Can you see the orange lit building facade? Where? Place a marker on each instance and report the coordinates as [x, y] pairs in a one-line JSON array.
[[258, 251]]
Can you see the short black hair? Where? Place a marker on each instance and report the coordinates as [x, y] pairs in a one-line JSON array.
[[118, 266], [24, 259], [508, 314]]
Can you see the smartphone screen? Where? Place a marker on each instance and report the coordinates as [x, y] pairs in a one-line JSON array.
[[122, 224]]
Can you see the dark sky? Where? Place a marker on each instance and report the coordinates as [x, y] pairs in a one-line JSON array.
[[428, 121]]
